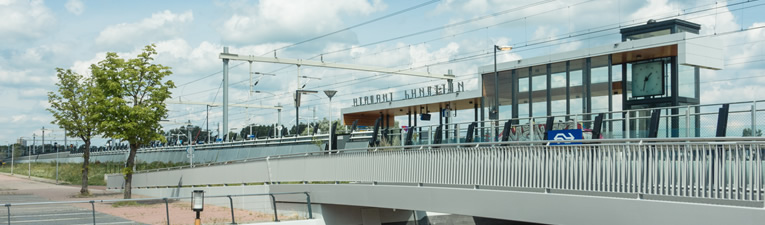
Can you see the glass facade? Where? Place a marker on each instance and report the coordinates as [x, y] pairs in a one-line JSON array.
[[579, 89]]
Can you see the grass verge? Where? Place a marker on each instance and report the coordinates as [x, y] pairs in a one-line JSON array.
[[71, 173]]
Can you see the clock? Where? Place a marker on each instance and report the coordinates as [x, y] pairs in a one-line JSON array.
[[647, 79]]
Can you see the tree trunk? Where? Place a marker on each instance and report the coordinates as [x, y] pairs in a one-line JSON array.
[[85, 164], [129, 168]]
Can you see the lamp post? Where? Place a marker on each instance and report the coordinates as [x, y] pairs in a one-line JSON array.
[[55, 146], [207, 123], [495, 111], [29, 157], [197, 204], [12, 157], [297, 95], [330, 94]]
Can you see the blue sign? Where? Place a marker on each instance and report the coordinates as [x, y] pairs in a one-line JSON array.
[[565, 135]]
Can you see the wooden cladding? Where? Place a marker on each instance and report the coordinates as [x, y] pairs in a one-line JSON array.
[[644, 54]]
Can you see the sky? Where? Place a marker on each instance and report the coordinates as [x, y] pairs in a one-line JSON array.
[[36, 37]]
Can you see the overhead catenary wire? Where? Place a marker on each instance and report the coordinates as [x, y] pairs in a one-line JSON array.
[[355, 26], [536, 43], [504, 22]]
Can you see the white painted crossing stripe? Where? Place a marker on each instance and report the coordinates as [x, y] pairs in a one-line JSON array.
[[16, 209], [52, 220], [55, 214], [126, 222]]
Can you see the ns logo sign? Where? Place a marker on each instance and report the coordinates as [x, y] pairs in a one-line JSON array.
[[565, 135]]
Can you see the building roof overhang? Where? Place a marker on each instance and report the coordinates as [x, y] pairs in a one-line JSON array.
[[692, 50], [455, 101]]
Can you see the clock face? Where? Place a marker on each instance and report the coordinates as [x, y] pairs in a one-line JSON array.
[[647, 79]]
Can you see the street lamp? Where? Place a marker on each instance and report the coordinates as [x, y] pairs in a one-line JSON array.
[[197, 204], [29, 156], [55, 146], [494, 113], [12, 147], [297, 95], [330, 94]]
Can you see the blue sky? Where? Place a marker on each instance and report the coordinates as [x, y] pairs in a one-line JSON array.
[[38, 36]]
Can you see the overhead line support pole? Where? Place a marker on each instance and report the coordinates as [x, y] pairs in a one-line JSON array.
[[225, 91]]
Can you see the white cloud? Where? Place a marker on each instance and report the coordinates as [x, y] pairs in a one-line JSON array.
[[24, 20], [186, 59], [653, 9], [82, 67], [160, 26], [21, 77], [75, 7], [280, 21], [34, 92]]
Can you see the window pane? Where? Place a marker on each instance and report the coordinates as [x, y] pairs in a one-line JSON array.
[[505, 94], [599, 86], [576, 81], [687, 81]]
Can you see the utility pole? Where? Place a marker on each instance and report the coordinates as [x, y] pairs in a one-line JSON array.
[[207, 121], [297, 103], [43, 140], [29, 156], [225, 91], [12, 157]]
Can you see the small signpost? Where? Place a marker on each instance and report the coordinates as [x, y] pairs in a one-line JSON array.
[[190, 155], [565, 135]]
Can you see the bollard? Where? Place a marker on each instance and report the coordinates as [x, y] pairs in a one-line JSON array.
[[273, 202], [93, 207], [308, 202], [9, 213], [167, 211], [231, 202]]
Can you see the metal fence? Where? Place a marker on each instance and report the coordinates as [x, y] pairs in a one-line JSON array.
[[37, 209], [744, 119], [714, 168]]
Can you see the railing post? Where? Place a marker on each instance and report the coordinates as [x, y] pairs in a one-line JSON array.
[[273, 203], [93, 208], [688, 121], [308, 202], [430, 135], [532, 131], [457, 133], [627, 124], [754, 119], [167, 211], [9, 213], [231, 203]]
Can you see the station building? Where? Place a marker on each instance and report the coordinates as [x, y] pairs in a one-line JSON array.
[[655, 65]]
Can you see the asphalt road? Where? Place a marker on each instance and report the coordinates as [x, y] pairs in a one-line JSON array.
[[51, 213], [14, 190]]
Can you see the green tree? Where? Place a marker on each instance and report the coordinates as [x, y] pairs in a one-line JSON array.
[[73, 109], [131, 101], [748, 133]]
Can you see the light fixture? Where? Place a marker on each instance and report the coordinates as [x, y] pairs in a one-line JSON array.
[[197, 200], [503, 47], [197, 203]]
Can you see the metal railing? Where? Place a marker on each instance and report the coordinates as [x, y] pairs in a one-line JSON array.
[[166, 202], [709, 168], [689, 121]]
